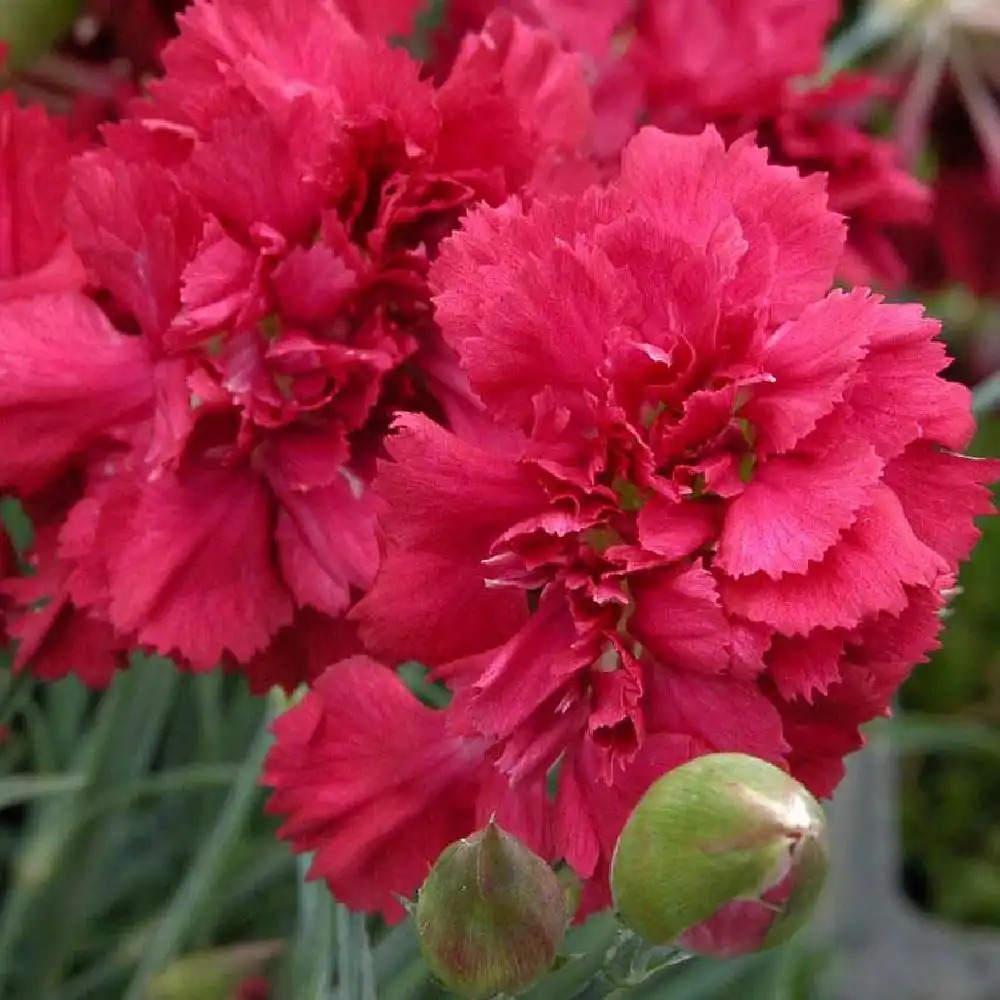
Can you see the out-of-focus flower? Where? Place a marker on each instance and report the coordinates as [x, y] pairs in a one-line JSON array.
[[944, 54], [490, 915], [739, 66], [717, 511], [724, 855], [937, 43], [249, 309]]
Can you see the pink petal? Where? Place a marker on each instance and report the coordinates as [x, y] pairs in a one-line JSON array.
[[217, 286], [863, 574], [191, 569], [68, 379], [326, 544], [728, 715], [808, 238], [941, 493], [541, 324], [546, 84], [435, 609], [34, 175], [371, 781], [438, 479], [801, 666], [812, 360], [56, 638], [675, 529], [794, 508], [898, 394], [679, 618], [299, 652], [135, 228], [526, 671]]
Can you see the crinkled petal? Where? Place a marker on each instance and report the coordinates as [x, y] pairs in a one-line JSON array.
[[812, 361], [34, 176], [370, 780], [801, 666], [68, 379], [865, 573], [190, 566], [679, 618], [326, 544], [135, 228], [795, 508], [941, 493]]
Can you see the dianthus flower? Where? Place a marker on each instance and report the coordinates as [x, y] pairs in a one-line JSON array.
[[740, 66], [718, 509], [256, 239]]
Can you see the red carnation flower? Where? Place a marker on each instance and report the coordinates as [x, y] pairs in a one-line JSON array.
[[256, 241], [717, 512]]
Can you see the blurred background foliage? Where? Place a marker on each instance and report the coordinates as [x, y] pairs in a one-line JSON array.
[[951, 796]]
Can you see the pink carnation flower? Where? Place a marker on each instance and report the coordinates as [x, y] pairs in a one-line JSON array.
[[244, 308], [719, 510]]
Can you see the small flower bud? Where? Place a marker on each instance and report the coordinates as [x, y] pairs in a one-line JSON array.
[[722, 856], [491, 915]]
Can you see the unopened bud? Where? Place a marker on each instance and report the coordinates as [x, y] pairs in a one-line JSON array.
[[722, 856], [491, 915]]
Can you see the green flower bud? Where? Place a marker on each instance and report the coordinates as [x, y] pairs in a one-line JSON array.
[[491, 915], [722, 856]]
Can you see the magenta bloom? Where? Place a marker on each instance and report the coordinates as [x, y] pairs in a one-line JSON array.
[[240, 308], [717, 510]]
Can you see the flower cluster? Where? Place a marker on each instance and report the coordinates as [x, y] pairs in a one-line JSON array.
[[706, 514], [323, 359]]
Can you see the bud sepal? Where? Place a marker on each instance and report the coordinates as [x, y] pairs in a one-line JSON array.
[[491, 915]]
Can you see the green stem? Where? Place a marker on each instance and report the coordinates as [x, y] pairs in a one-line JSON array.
[[50, 836], [355, 973], [18, 686], [202, 877], [986, 395], [312, 957]]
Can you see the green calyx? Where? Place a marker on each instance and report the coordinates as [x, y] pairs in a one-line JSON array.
[[491, 915], [720, 828]]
